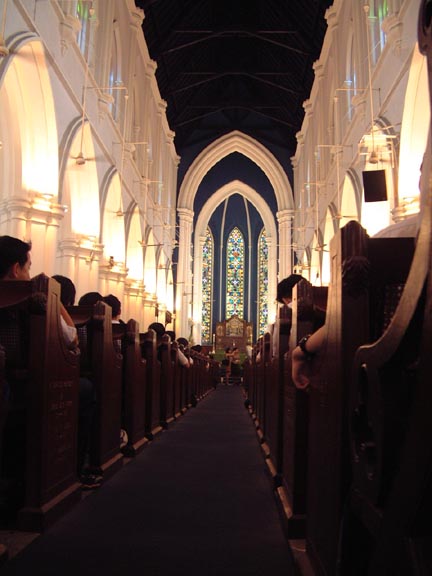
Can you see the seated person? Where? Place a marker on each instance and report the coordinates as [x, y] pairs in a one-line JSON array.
[[15, 264], [90, 299], [182, 359], [115, 305]]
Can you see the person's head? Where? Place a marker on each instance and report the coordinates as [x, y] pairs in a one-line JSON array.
[[90, 299], [227, 350], [171, 334], [158, 328], [15, 260], [183, 341], [285, 287], [68, 292], [115, 304]]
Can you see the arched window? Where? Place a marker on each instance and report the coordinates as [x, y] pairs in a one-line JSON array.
[[262, 283], [378, 10], [87, 15], [207, 288], [117, 90], [235, 274]]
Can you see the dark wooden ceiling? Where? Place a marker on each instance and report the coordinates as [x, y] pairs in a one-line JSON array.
[[226, 65]]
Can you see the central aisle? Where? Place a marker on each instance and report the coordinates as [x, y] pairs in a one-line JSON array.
[[196, 501]]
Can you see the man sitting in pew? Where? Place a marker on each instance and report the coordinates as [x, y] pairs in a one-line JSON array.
[[15, 264]]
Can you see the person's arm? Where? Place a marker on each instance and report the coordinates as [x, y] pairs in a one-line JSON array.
[[69, 331], [303, 356]]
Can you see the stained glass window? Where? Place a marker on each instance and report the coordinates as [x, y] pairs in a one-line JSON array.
[[262, 283], [235, 274], [207, 288]]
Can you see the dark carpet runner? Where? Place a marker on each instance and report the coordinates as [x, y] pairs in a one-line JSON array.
[[196, 501]]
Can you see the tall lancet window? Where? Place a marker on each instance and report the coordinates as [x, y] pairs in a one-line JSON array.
[[86, 13], [262, 282], [207, 288], [235, 274]]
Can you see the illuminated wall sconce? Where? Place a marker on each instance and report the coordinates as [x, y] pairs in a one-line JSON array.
[[90, 257]]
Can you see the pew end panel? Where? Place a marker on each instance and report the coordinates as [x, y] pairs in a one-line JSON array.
[[134, 375], [43, 410], [389, 504], [362, 270], [308, 311], [101, 364], [153, 401]]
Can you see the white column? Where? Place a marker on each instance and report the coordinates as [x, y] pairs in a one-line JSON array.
[[184, 273], [197, 289], [285, 222]]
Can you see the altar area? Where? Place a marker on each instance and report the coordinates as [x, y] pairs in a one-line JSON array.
[[233, 332]]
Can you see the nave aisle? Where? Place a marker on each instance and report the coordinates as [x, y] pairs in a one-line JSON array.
[[196, 501]]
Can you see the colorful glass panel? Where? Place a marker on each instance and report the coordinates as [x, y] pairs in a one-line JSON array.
[[235, 274], [262, 283], [207, 288]]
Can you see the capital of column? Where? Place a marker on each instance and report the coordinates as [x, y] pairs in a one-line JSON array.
[[285, 217], [185, 215], [137, 18]]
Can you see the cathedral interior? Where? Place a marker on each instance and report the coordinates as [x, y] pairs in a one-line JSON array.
[[186, 156]]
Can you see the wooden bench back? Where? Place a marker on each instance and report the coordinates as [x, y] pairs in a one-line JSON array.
[[102, 364], [134, 377], [362, 270], [40, 439], [153, 403]]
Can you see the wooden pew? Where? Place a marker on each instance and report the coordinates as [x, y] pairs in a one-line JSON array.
[[166, 382], [185, 383], [101, 363], [263, 384], [251, 381], [387, 521], [179, 380], [287, 436], [40, 436], [153, 404], [134, 375], [362, 270]]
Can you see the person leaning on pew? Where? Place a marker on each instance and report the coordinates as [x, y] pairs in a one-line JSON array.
[[303, 356], [15, 264]]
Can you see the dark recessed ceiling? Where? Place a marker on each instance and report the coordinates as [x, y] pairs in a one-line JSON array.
[[226, 65]]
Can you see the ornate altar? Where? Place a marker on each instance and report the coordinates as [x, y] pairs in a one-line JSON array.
[[233, 332]]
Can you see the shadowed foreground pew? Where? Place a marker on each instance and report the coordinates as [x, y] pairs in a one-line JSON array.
[[387, 526], [102, 365], [366, 275], [40, 440]]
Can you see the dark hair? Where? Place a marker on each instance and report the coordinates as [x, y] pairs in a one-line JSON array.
[[12, 251], [285, 286], [171, 334], [183, 341], [90, 299], [68, 291], [158, 328], [227, 349], [115, 304]]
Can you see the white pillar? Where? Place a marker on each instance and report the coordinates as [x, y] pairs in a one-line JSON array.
[[285, 223], [184, 273]]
